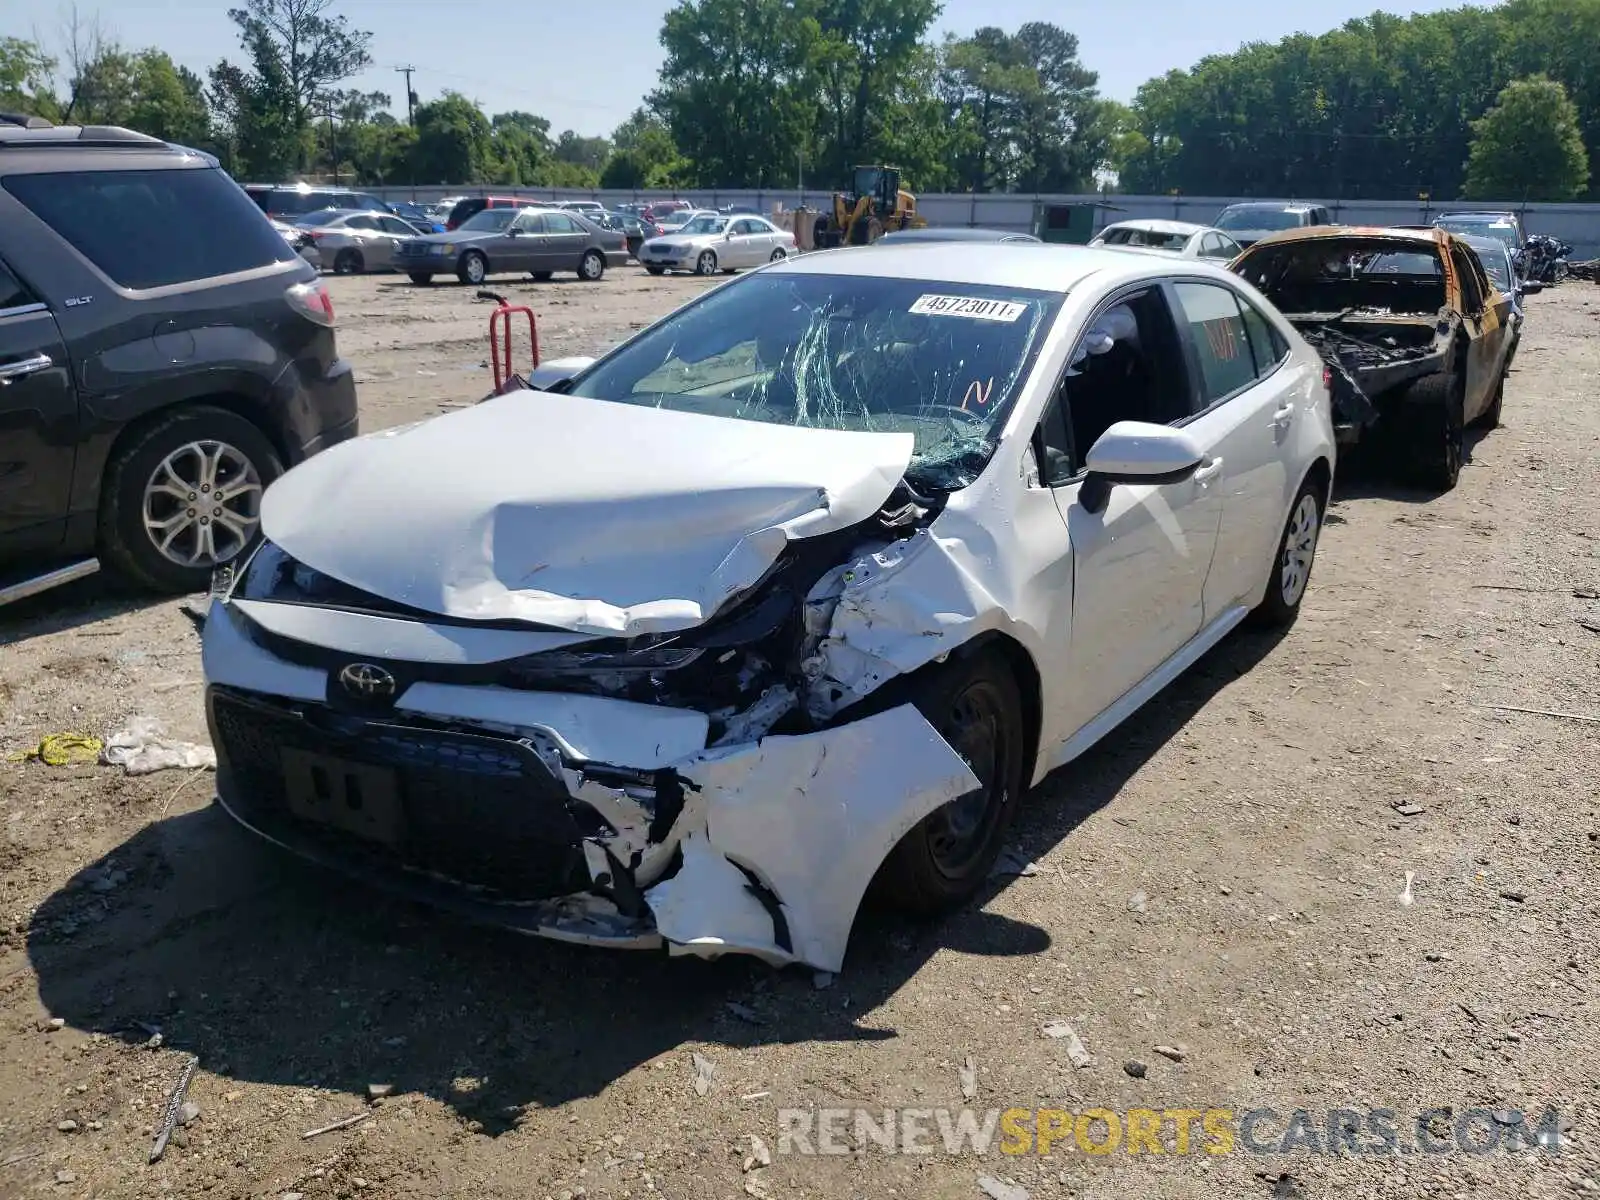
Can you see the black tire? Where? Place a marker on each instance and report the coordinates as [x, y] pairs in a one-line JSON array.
[[1296, 555], [473, 268], [592, 266], [656, 270], [421, 278], [1490, 417], [778, 255], [348, 262], [543, 276], [125, 546], [975, 704], [706, 264], [1431, 435]]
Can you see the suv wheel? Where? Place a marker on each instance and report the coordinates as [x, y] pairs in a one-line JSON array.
[[474, 268], [184, 497]]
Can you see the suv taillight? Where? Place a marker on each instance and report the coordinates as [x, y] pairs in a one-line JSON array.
[[312, 301]]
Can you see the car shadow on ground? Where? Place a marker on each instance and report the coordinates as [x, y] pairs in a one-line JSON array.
[[277, 973], [1369, 472], [498, 283], [73, 606]]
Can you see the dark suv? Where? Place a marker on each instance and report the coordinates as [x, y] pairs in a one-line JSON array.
[[164, 355], [290, 202]]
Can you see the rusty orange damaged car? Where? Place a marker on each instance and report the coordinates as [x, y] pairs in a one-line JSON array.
[[1412, 330]]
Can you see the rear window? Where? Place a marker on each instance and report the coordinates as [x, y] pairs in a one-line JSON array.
[[148, 229], [1153, 238], [1259, 218]]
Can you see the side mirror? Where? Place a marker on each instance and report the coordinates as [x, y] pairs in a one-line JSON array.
[[1137, 452], [556, 371], [1532, 286]]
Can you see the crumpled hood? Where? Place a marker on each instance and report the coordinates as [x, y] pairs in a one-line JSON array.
[[586, 515]]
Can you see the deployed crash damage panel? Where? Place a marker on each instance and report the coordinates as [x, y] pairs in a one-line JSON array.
[[1380, 306], [502, 516]]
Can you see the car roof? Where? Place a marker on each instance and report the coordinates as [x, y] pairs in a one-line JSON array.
[[1273, 206], [956, 233], [1044, 267], [1432, 237], [1156, 225], [1487, 214]]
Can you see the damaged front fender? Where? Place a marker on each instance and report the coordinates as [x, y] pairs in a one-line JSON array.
[[785, 835]]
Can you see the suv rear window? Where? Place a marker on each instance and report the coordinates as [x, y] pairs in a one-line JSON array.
[[148, 229]]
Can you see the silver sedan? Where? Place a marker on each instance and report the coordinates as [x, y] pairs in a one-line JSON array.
[[349, 241], [712, 243]]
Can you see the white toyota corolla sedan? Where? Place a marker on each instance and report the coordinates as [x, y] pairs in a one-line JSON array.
[[801, 587]]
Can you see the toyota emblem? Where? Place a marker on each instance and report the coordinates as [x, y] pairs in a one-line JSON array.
[[367, 681]]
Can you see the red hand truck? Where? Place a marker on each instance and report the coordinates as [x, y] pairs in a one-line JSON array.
[[500, 356]]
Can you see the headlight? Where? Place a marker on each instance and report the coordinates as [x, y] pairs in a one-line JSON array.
[[441, 251], [644, 661]]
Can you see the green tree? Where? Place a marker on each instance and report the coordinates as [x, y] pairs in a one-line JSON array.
[[521, 148], [643, 155], [168, 101], [299, 51], [861, 60], [25, 75], [455, 142], [1528, 146], [737, 88]]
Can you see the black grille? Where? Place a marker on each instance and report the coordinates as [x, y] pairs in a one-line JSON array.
[[480, 810]]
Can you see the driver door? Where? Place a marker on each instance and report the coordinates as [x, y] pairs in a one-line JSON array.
[[1140, 562], [1486, 332]]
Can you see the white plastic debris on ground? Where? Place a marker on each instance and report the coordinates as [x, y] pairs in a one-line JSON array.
[[143, 748]]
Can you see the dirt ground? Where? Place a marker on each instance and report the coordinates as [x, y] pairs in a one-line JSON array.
[[1222, 876]]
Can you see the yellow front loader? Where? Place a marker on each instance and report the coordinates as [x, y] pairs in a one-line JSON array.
[[873, 207]]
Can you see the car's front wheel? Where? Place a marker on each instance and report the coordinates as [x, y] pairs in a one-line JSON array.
[[656, 270], [420, 278], [975, 705], [706, 264], [183, 497], [1297, 550], [474, 268]]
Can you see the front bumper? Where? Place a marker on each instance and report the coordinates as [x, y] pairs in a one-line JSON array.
[[495, 804]]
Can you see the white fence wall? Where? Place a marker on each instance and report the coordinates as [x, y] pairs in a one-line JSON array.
[[1575, 223]]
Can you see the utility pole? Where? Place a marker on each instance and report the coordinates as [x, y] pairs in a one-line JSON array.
[[333, 147], [411, 97]]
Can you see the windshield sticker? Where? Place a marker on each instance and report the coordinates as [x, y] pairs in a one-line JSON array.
[[977, 393], [968, 306]]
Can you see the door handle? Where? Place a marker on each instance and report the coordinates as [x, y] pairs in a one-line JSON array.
[[23, 367], [1283, 416], [1207, 471]]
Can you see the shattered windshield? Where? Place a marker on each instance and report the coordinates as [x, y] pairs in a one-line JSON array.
[[1495, 266], [1257, 218], [1329, 275], [939, 360]]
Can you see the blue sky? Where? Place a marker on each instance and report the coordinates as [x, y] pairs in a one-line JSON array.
[[585, 67]]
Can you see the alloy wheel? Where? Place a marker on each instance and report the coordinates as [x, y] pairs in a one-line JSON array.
[[202, 504]]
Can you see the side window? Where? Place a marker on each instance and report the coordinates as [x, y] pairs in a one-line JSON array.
[[396, 225], [12, 293], [1221, 343], [530, 223], [360, 222], [149, 229], [1267, 345], [1230, 248]]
